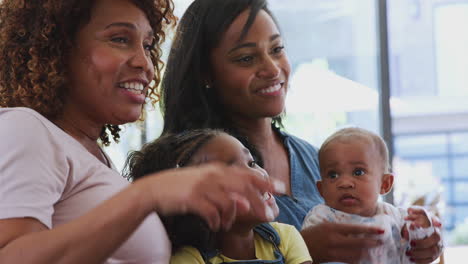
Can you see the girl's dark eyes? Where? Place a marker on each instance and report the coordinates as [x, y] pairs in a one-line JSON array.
[[359, 172], [252, 164]]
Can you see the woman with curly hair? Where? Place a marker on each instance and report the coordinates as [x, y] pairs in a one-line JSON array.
[[71, 72]]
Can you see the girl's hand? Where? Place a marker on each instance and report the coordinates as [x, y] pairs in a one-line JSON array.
[[332, 242], [213, 191]]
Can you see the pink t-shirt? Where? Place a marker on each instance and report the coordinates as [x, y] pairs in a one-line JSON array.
[[48, 175]]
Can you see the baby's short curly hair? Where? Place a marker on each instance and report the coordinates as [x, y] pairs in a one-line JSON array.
[[35, 38], [353, 133]]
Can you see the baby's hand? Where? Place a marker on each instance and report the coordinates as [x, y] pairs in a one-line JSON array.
[[418, 219]]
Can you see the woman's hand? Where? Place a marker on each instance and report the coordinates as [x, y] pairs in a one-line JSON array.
[[425, 250], [213, 191], [328, 242]]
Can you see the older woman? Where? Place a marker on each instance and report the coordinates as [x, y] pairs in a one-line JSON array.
[[71, 72], [228, 69]]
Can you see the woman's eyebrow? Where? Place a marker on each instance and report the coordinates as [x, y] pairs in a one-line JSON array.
[[275, 36], [127, 25], [121, 24], [252, 44], [243, 45]]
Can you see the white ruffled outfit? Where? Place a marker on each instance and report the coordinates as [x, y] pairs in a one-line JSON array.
[[389, 218]]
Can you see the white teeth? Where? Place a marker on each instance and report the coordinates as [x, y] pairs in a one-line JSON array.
[[271, 89], [134, 91], [135, 87]]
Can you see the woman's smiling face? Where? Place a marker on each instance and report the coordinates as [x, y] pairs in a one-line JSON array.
[[250, 75], [110, 66]]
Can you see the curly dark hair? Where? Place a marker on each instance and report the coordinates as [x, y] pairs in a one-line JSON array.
[[35, 38], [167, 152]]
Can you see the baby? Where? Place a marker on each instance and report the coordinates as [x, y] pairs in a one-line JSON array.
[[355, 171], [248, 240]]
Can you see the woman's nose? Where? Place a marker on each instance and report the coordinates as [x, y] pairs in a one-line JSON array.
[[269, 69], [141, 59]]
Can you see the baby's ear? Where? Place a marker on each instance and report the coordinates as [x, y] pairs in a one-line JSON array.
[[319, 187], [387, 183]]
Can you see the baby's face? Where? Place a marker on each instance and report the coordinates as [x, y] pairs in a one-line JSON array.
[[227, 149], [352, 174]]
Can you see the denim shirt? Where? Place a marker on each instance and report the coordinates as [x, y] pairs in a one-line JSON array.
[[303, 159], [305, 172]]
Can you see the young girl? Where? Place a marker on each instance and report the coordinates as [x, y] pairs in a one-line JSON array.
[[248, 240]]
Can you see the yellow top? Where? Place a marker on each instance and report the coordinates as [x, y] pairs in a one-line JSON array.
[[292, 246]]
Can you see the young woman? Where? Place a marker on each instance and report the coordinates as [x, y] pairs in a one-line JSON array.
[[228, 69], [71, 72]]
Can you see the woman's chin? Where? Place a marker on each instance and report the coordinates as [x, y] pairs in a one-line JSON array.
[[127, 117]]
